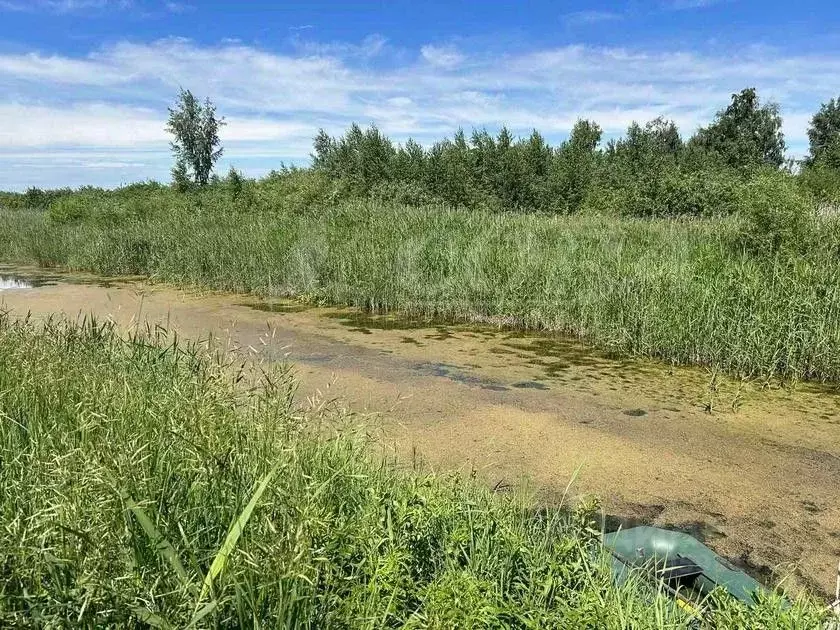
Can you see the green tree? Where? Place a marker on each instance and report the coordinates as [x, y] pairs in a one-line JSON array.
[[324, 156], [664, 136], [824, 135], [746, 133], [585, 137], [181, 177], [574, 166], [647, 147], [196, 146], [236, 183]]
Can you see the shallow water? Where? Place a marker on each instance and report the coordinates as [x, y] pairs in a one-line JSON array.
[[13, 284], [757, 465]]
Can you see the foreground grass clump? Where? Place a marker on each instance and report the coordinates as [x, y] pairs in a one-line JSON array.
[[754, 294], [126, 462]]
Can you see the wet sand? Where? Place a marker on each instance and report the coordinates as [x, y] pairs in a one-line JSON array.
[[752, 469]]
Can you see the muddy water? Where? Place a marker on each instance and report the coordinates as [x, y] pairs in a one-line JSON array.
[[753, 469]]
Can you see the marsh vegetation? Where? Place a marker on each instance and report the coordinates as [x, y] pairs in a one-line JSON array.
[[143, 480], [706, 251], [147, 480]]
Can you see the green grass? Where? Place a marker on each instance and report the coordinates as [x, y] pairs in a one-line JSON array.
[[146, 483], [688, 292]]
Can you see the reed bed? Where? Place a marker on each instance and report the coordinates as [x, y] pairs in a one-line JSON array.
[[684, 291]]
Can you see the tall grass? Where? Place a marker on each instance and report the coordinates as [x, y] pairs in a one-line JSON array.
[[144, 483], [687, 291]]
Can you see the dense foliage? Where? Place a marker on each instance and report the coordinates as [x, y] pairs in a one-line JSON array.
[[648, 172], [755, 293], [745, 134], [824, 135]]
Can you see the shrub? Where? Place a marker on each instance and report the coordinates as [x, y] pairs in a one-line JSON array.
[[669, 192], [823, 182], [406, 193], [299, 191], [235, 183], [69, 209], [776, 216], [699, 194]]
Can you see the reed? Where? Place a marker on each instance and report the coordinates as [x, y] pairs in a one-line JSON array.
[[684, 291]]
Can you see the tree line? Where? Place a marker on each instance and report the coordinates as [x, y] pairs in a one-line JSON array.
[[650, 171]]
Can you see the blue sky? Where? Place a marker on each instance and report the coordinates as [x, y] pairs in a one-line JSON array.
[[84, 84]]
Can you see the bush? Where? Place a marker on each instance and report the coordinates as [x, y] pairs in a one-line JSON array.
[[700, 194], [70, 209], [669, 192], [404, 193], [823, 182], [235, 183], [776, 217], [299, 191]]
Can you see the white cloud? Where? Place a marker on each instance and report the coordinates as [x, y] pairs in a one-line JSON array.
[[112, 101], [369, 47], [90, 124], [62, 6], [104, 125], [442, 56]]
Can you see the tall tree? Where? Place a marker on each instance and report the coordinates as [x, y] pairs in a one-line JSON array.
[[196, 146], [574, 166], [746, 133], [649, 146], [664, 136], [824, 135]]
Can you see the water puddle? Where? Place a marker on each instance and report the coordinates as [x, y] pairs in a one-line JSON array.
[[15, 280], [359, 321], [530, 385], [12, 279], [454, 373]]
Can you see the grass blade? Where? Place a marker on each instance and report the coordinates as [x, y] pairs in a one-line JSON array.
[[163, 546], [202, 613], [220, 561], [148, 617]]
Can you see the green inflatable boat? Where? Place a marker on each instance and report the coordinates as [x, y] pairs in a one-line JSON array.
[[687, 568]]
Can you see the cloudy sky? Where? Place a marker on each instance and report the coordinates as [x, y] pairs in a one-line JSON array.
[[84, 84]]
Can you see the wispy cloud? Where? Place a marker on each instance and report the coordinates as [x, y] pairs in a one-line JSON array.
[[590, 17], [62, 6], [442, 56], [370, 46], [179, 7], [112, 101]]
